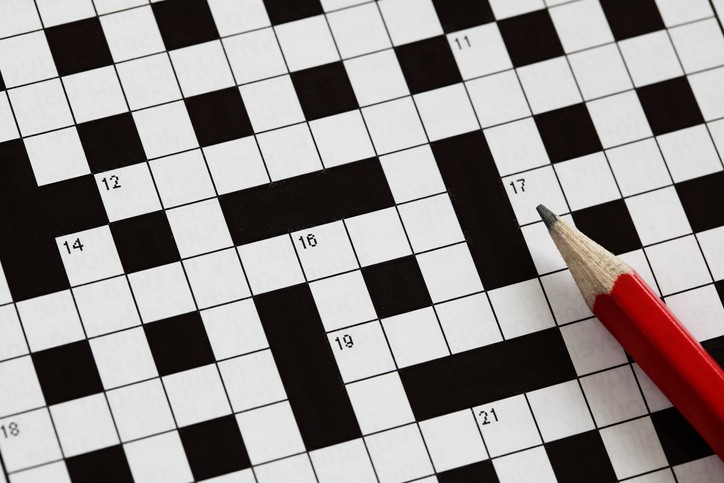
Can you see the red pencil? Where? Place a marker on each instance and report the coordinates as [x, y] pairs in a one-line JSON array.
[[645, 327]]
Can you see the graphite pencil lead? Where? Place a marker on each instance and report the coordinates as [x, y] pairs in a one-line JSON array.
[[547, 215]]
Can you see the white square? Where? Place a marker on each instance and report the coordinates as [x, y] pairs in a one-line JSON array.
[[56, 156], [140, 409], [619, 119], [613, 396], [655, 399], [216, 278], [689, 153], [507, 8], [700, 310], [233, 16], [453, 440], [587, 181], [412, 174], [498, 98], [380, 403], [711, 242], [97, 259], [342, 138], [507, 425], [530, 465], [658, 215], [347, 461], [50, 320], [359, 30], [650, 58], [271, 264], [633, 447], [431, 223], [182, 178], [678, 265], [600, 71], [272, 103], [516, 146], [199, 228], [306, 43], [675, 12], [38, 445], [165, 129], [324, 250], [136, 195], [161, 292], [255, 55], [699, 45], [132, 33], [581, 25], [376, 77], [521, 308], [18, 377], [50, 472], [94, 94], [549, 85], [148, 81], [196, 395], [234, 329], [123, 358], [591, 346], [560, 411], [289, 151], [236, 165], [410, 20], [394, 125], [449, 272], [8, 128], [270, 432], [415, 337], [107, 6], [361, 351], [399, 454], [40, 107], [84, 425], [106, 306], [546, 256], [378, 236], [252, 381], [25, 59], [708, 94], [12, 338], [18, 16], [56, 13], [638, 167], [160, 458], [565, 298], [343, 300], [468, 323], [485, 54], [296, 468], [202, 68], [638, 260], [692, 470], [528, 190], [446, 112]]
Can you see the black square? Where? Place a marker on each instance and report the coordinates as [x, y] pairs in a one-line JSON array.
[[108, 465], [703, 201], [568, 133], [679, 440], [111, 143], [67, 372], [428, 64], [530, 38], [78, 46], [282, 11], [214, 448], [715, 346], [184, 22], [629, 18], [396, 286], [2, 82], [670, 105], [179, 343], [462, 14], [481, 472], [609, 225], [144, 241], [582, 457], [324, 91], [218, 116]]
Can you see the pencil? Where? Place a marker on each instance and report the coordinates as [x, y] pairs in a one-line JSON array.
[[645, 327]]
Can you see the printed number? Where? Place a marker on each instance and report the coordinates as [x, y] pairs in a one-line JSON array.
[[486, 416], [518, 185], [11, 430], [344, 342], [308, 241], [112, 182], [77, 245], [465, 42]]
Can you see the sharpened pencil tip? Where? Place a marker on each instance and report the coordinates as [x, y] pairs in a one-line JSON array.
[[546, 215]]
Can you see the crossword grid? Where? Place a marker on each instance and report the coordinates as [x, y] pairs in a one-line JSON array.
[[388, 351]]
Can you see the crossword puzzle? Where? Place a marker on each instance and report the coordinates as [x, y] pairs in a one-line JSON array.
[[275, 241]]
